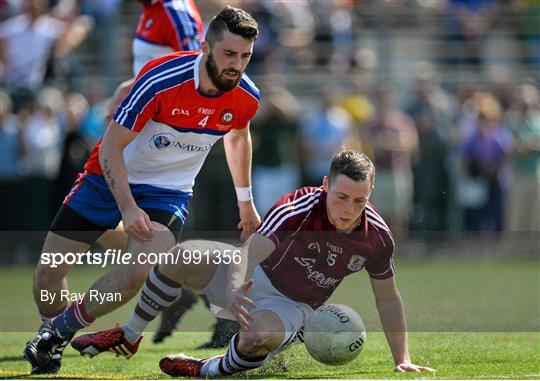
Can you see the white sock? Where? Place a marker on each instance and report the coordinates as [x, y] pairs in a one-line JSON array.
[[131, 335]]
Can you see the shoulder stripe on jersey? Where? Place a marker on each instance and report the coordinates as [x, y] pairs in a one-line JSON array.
[[177, 18], [142, 90], [163, 83], [290, 210], [278, 209], [375, 214], [374, 217], [143, 83], [199, 131], [268, 232], [377, 223], [162, 69], [248, 86], [184, 24]]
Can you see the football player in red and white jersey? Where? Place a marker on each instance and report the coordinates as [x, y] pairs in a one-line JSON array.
[[306, 244], [165, 26], [143, 171]]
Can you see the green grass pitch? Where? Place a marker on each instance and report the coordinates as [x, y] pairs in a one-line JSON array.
[[469, 319]]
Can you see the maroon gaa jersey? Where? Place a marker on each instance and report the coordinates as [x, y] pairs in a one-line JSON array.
[[311, 257]]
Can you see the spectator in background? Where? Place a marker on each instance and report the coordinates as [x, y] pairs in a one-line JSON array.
[[75, 149], [342, 33], [93, 127], [105, 15], [40, 34], [468, 23], [528, 16], [275, 146], [10, 140], [483, 159], [294, 25], [361, 110], [10, 155], [524, 194], [42, 135], [394, 141], [323, 132], [432, 110]]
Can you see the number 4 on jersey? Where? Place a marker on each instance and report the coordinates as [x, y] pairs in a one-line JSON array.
[[204, 121]]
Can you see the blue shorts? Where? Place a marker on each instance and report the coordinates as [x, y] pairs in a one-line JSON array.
[[91, 198]]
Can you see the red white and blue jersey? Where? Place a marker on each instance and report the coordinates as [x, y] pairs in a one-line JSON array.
[[311, 258], [176, 124], [166, 26]]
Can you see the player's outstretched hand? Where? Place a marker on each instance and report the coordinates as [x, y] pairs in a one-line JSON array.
[[237, 301], [409, 367], [138, 225], [249, 218]]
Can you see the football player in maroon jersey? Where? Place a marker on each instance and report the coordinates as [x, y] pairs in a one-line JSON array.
[[305, 245]]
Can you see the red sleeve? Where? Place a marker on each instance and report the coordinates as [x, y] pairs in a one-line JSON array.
[[250, 113]]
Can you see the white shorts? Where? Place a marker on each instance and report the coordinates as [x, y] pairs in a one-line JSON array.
[[293, 314]]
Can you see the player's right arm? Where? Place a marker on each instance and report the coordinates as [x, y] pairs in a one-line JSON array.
[[137, 108], [136, 222], [256, 249]]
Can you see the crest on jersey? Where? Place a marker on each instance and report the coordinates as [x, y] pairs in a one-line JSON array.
[[226, 117], [148, 23], [161, 141], [356, 263]]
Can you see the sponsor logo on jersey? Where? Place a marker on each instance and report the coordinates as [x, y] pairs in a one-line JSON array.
[[314, 275], [356, 263], [192, 147], [164, 140], [178, 111], [161, 141], [206, 111], [226, 117]]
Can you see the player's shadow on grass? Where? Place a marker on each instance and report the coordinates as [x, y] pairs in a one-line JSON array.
[[11, 358]]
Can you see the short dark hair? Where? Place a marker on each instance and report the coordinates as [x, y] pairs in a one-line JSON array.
[[236, 21], [353, 164]]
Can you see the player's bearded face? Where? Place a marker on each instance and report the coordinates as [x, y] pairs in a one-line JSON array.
[[223, 79], [346, 200]]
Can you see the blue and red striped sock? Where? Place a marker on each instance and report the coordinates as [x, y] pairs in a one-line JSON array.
[[73, 319]]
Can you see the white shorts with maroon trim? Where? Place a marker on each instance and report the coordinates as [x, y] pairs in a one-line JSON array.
[[293, 314]]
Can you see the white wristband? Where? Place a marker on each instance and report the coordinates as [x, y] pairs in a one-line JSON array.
[[244, 194]]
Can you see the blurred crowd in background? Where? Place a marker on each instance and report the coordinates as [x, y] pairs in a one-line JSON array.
[[442, 95]]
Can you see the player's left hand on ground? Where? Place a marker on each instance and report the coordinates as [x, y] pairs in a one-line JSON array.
[[410, 367], [237, 301], [249, 218]]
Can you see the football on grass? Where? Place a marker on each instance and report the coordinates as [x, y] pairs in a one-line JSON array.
[[334, 334]]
